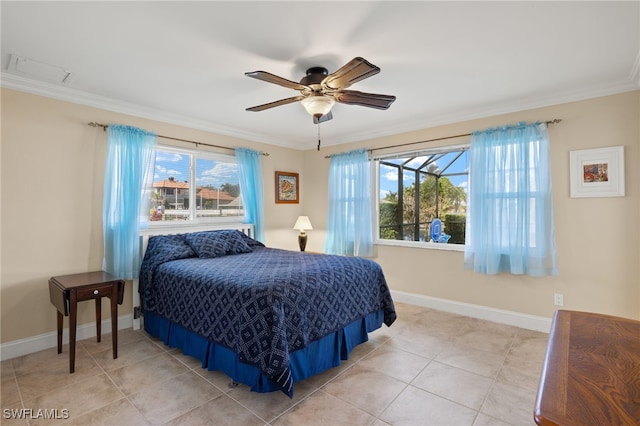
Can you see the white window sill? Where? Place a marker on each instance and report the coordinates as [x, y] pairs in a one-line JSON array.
[[421, 245], [195, 225]]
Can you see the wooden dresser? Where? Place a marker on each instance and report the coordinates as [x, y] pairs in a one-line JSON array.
[[591, 372]]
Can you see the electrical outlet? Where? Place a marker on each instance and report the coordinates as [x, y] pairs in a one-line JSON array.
[[558, 299]]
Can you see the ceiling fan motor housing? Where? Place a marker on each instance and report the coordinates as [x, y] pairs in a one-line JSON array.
[[314, 76]]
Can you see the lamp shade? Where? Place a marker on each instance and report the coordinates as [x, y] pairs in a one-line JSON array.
[[302, 223], [318, 105]]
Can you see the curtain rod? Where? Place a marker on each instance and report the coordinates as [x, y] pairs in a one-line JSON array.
[[554, 121], [104, 127]]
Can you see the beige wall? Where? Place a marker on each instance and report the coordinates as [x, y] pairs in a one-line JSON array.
[[598, 239], [51, 186], [52, 179]]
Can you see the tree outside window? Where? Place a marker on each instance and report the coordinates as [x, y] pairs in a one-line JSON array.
[[417, 188]]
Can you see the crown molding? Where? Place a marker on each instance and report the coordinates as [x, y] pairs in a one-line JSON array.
[[495, 110], [49, 90], [54, 91]]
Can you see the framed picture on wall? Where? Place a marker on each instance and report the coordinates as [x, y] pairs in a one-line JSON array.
[[287, 188], [597, 172]]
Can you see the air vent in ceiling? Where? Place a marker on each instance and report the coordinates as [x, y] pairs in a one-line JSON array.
[[38, 70]]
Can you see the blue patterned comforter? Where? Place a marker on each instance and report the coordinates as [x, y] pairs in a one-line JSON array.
[[266, 303]]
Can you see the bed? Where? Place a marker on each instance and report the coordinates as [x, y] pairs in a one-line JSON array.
[[266, 317]]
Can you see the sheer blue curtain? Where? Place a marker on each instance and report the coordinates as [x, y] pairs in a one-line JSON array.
[[250, 173], [349, 229], [130, 160], [510, 210]]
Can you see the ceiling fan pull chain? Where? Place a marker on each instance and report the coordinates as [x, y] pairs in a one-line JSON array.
[[318, 136]]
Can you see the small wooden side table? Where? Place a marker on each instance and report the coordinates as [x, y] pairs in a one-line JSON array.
[[67, 290]]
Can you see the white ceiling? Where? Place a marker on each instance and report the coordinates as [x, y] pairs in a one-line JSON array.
[[184, 62]]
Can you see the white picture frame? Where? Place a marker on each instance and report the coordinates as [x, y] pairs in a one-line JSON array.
[[597, 172]]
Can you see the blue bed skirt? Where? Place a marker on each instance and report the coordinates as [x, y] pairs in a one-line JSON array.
[[317, 357]]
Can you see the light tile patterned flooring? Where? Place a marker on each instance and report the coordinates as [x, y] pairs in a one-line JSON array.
[[429, 368]]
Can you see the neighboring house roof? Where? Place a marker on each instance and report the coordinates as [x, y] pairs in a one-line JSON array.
[[213, 194], [171, 184], [205, 193], [237, 202]]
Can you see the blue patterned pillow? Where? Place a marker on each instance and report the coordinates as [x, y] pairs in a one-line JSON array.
[[208, 244], [250, 241], [237, 243], [164, 248]]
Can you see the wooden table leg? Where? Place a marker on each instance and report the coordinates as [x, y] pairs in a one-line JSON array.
[[73, 317], [60, 319], [99, 318], [114, 319]]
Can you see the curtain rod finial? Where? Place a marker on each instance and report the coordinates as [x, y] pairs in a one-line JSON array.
[[94, 124]]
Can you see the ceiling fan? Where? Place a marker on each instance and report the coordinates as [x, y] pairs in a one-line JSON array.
[[319, 90]]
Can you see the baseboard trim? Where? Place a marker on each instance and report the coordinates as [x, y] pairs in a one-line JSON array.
[[517, 319], [32, 344], [40, 342]]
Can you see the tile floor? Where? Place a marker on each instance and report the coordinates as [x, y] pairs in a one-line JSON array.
[[429, 368]]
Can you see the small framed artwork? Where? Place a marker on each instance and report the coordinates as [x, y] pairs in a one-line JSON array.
[[597, 172], [287, 188]]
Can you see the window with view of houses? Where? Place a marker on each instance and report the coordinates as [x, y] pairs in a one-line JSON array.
[[417, 188], [189, 185]]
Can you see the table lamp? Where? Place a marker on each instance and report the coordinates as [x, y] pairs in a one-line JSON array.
[[301, 224]]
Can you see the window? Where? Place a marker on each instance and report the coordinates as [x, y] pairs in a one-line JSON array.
[[416, 188], [510, 227], [517, 197], [215, 194], [349, 230]]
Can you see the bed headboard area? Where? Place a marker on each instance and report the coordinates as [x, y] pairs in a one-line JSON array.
[[245, 228], [145, 234]]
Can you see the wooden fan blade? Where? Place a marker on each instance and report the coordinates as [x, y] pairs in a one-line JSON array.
[[371, 100], [276, 103], [272, 78], [355, 70], [317, 120]]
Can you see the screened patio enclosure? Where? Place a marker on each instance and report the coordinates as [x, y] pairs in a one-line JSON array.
[[416, 188]]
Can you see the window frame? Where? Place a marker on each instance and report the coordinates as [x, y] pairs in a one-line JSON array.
[[376, 188], [193, 220]]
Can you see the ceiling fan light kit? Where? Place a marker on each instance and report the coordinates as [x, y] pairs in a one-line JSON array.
[[319, 90], [318, 105]]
